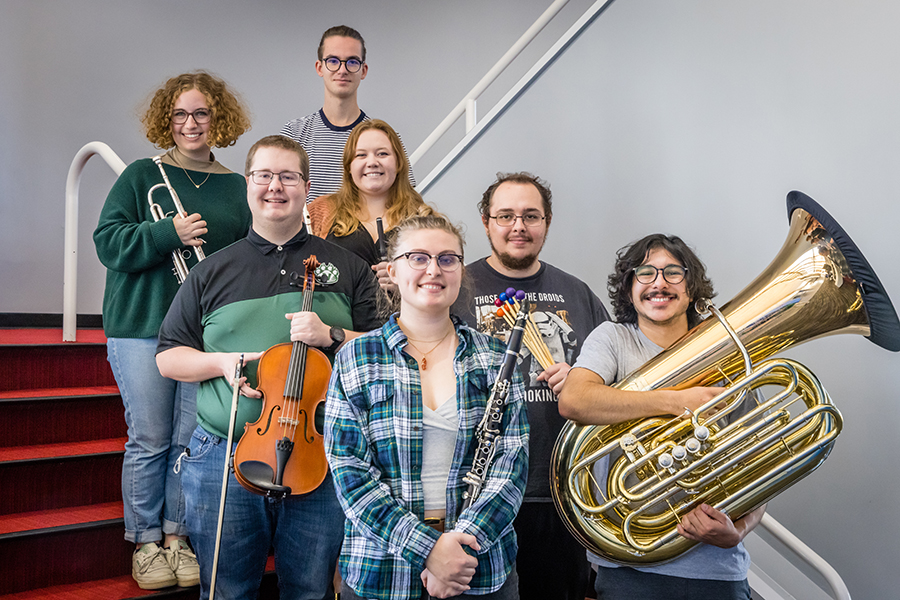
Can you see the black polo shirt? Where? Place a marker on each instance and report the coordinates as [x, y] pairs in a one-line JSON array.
[[236, 301]]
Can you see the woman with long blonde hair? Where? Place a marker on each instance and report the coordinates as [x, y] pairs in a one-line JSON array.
[[371, 189]]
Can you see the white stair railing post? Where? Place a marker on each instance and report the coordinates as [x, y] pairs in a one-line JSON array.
[[471, 117], [70, 266]]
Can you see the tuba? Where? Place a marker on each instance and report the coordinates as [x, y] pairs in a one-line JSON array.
[[659, 469]]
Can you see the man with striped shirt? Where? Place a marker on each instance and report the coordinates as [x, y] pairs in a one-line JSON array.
[[342, 66]]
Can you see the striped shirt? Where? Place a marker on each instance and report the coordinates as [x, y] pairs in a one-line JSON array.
[[373, 440], [324, 142]]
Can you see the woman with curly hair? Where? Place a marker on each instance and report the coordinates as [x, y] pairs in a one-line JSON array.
[[188, 115], [370, 190]]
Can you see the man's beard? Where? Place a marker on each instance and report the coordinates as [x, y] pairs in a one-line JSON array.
[[511, 262]]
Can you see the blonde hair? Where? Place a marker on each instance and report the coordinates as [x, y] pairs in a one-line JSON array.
[[229, 116], [433, 221], [403, 200]]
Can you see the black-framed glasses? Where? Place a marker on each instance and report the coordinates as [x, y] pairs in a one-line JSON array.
[[508, 219], [201, 115], [333, 64], [287, 178], [647, 274], [419, 261]]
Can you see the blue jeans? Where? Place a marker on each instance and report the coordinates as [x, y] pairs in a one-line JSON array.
[[160, 414], [306, 531]]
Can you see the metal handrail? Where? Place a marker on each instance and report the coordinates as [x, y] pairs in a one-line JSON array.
[[780, 532], [70, 267], [474, 132], [467, 104]]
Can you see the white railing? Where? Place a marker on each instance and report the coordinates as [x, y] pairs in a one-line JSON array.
[[467, 104], [475, 128], [808, 555], [70, 268]]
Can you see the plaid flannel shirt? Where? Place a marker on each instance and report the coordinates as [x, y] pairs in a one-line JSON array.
[[373, 439]]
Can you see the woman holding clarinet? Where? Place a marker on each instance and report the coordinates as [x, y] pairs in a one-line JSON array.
[[404, 423]]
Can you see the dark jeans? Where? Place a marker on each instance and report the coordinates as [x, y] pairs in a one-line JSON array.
[[552, 565], [508, 591], [627, 584]]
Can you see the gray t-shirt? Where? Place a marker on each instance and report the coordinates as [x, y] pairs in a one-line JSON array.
[[613, 351]]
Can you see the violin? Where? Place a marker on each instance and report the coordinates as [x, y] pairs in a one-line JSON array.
[[283, 453]]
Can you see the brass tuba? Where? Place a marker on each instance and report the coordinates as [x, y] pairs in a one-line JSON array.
[[661, 468]]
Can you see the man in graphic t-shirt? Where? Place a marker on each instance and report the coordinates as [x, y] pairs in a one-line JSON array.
[[516, 211]]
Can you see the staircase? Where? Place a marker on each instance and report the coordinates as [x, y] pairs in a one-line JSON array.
[[61, 525]]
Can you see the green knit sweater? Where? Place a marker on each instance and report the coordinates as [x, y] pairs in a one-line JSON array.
[[137, 252]]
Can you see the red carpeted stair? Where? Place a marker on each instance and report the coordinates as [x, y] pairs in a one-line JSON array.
[[61, 529]]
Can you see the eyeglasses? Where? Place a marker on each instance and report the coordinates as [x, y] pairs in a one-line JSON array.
[[287, 178], [647, 274], [420, 260], [201, 115], [333, 64], [509, 219]]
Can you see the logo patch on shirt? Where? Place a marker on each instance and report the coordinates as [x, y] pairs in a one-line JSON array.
[[327, 274]]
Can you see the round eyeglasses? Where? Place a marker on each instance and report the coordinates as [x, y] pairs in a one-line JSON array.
[[508, 219], [420, 260], [333, 64], [201, 115], [287, 178], [647, 274]]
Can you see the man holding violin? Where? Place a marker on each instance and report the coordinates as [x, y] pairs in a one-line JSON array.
[[237, 301]]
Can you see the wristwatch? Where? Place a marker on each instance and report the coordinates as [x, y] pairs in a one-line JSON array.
[[337, 337]]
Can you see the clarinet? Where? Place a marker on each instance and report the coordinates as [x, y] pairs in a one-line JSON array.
[[488, 430]]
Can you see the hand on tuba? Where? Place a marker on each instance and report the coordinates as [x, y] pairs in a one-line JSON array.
[[714, 527]]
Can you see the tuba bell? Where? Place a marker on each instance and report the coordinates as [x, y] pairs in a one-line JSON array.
[[661, 468]]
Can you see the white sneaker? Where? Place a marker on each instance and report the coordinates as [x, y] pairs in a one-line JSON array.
[[183, 563], [150, 568]]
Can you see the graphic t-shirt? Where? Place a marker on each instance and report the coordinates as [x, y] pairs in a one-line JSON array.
[[565, 311]]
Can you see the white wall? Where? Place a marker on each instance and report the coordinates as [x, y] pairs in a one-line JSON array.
[[693, 117]]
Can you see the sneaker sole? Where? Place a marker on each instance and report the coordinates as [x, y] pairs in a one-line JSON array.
[[191, 582], [155, 585]]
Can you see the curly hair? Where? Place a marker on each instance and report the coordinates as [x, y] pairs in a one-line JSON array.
[[619, 282], [403, 200], [522, 177], [341, 31], [230, 117]]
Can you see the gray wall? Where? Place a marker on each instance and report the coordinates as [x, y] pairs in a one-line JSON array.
[[693, 117]]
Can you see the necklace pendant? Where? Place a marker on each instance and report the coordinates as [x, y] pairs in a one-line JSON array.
[[197, 186], [424, 363]]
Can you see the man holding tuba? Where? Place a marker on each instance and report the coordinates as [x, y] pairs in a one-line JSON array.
[[653, 289]]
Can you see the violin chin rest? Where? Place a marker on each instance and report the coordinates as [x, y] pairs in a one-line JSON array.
[[262, 475]]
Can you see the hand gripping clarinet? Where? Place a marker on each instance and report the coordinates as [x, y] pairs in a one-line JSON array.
[[488, 430]]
